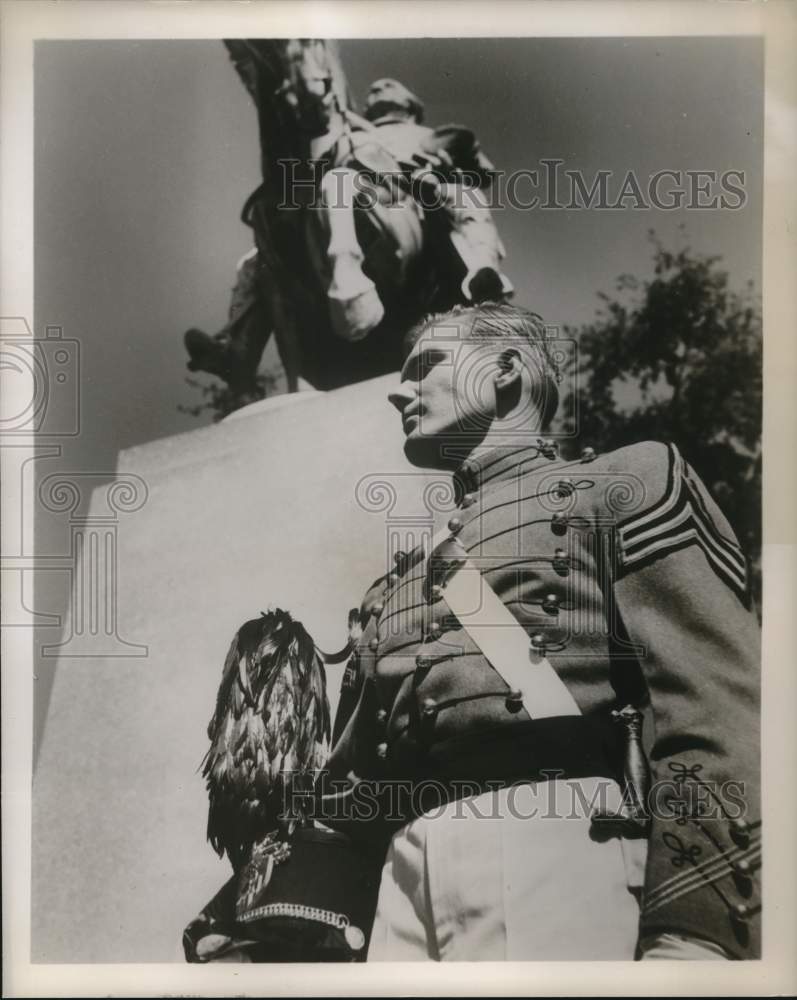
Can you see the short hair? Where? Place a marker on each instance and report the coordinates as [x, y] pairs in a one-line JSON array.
[[503, 321]]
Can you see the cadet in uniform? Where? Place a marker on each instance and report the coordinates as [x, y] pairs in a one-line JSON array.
[[629, 593]]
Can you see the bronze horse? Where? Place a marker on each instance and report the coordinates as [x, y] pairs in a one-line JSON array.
[[308, 127]]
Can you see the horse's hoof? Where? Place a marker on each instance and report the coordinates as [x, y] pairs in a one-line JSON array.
[[355, 318]]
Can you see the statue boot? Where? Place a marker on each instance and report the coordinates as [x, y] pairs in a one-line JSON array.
[[234, 352], [206, 353]]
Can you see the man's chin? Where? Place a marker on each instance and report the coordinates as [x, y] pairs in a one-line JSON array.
[[422, 453], [429, 453]]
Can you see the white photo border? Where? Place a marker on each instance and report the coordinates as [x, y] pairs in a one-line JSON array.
[[23, 22]]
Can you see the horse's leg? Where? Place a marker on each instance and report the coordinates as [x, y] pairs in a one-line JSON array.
[[354, 304], [476, 242], [287, 344]]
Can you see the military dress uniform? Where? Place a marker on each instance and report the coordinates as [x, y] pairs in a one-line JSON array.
[[627, 578]]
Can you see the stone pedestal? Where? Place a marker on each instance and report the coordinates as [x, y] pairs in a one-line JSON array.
[[296, 502]]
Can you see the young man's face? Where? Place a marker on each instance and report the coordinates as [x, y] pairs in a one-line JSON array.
[[445, 396]]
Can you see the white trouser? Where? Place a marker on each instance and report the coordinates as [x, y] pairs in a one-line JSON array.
[[508, 875]]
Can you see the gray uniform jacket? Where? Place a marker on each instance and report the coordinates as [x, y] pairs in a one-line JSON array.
[[627, 576]]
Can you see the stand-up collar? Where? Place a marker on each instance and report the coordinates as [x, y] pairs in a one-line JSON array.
[[498, 465]]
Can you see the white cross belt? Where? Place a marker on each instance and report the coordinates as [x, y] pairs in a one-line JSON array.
[[501, 638]]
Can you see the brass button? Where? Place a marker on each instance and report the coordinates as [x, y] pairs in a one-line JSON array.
[[742, 867], [468, 472], [423, 662], [399, 557], [588, 455], [434, 631], [435, 592], [381, 715], [559, 523], [741, 913], [514, 702], [381, 750], [548, 447], [468, 500], [455, 525], [429, 708], [391, 580], [564, 488], [740, 832], [550, 604], [538, 642], [377, 609], [373, 645]]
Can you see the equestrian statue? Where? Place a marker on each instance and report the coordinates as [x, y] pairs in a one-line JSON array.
[[362, 225]]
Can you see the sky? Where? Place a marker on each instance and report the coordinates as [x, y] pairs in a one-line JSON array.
[[145, 152]]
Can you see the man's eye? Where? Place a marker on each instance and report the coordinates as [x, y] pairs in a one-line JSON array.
[[432, 358], [418, 368]]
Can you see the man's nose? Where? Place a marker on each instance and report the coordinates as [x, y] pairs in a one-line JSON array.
[[402, 396]]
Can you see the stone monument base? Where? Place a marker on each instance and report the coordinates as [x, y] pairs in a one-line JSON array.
[[280, 506]]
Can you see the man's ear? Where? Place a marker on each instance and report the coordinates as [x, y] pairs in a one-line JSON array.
[[508, 382], [510, 369]]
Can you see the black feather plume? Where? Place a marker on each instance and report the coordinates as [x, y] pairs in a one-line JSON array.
[[270, 731]]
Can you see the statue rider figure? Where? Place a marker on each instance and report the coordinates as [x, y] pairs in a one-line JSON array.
[[402, 173], [441, 168]]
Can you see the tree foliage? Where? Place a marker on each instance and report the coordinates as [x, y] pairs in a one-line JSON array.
[[678, 358], [220, 400]]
